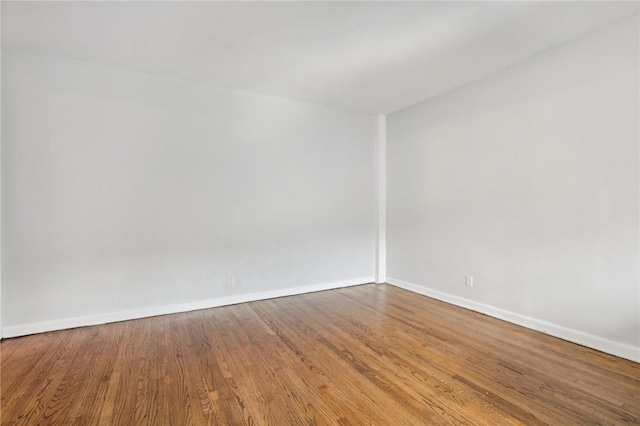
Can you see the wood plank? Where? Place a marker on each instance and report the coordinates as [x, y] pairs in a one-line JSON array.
[[371, 354]]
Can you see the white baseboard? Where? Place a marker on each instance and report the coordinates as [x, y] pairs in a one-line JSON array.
[[585, 339], [60, 324]]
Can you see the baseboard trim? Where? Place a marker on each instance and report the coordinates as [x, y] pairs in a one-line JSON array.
[[585, 339], [84, 321]]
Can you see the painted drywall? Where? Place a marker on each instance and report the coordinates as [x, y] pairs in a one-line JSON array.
[[528, 181], [1, 334], [126, 192], [375, 56], [381, 183]]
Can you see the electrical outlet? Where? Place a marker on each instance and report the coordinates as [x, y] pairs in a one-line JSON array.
[[231, 280], [468, 281]]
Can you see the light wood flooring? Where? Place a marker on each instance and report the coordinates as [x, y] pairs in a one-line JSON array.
[[371, 354]]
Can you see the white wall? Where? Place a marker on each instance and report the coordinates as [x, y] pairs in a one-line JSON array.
[[528, 181], [126, 194]]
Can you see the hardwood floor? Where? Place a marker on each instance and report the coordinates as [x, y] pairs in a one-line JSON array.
[[361, 355]]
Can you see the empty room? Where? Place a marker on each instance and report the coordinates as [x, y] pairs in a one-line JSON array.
[[320, 213]]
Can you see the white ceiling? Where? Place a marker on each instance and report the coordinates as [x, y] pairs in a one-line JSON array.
[[376, 57]]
